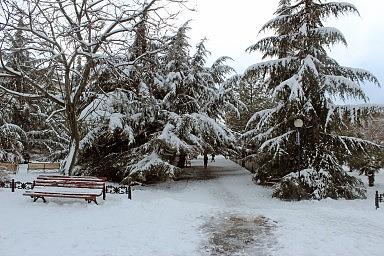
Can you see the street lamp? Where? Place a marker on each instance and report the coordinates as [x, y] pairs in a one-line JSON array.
[[298, 123]]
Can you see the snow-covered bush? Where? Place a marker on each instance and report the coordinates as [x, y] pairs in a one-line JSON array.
[[11, 146], [151, 169], [320, 184], [4, 176]]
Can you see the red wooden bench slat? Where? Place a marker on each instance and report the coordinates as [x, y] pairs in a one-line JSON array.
[[71, 180], [70, 177], [79, 187], [29, 193], [80, 178], [68, 184]]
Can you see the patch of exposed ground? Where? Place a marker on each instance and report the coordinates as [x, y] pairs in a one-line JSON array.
[[201, 173], [230, 235]]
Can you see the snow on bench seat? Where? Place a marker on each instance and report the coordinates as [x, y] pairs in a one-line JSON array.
[[66, 190]]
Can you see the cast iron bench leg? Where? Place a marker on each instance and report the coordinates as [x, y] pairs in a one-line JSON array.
[[37, 197], [91, 200]]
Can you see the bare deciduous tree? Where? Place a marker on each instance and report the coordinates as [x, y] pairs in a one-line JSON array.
[[67, 39]]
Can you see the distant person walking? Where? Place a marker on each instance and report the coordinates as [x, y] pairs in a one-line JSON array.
[[27, 158], [205, 160], [213, 158]]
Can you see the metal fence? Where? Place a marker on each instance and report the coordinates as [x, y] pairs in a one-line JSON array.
[[13, 185], [109, 189], [379, 198]]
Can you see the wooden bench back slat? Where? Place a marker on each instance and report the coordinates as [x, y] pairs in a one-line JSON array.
[[52, 166], [43, 166], [69, 182], [77, 178], [35, 166], [70, 185], [8, 166]]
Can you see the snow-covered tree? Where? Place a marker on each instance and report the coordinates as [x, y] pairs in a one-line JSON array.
[[20, 117], [122, 119], [196, 101], [62, 31], [371, 163], [11, 143], [305, 82], [170, 106], [253, 95]]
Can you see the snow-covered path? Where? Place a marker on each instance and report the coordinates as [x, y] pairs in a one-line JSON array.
[[327, 227], [192, 217]]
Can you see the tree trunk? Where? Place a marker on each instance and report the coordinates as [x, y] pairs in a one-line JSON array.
[[205, 159], [371, 179], [181, 162], [71, 158], [75, 139]]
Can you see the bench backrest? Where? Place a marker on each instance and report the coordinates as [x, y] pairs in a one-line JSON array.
[[8, 166], [70, 182], [62, 177], [52, 166], [43, 166]]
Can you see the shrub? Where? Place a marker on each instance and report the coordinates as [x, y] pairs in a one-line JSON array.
[[320, 184], [4, 176]]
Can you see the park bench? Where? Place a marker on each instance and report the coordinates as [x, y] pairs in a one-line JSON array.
[[43, 166], [8, 167], [80, 187]]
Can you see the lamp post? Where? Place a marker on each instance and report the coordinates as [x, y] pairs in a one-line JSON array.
[[298, 123]]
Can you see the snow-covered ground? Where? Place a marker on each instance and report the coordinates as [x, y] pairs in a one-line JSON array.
[[228, 215]]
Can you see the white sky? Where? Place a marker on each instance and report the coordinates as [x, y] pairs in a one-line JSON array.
[[232, 26]]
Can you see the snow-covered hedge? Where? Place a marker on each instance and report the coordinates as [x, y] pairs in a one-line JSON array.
[[151, 169], [320, 184], [4, 176], [11, 142]]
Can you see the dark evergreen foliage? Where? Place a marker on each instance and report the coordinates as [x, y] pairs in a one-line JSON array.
[[24, 124], [304, 81], [167, 108]]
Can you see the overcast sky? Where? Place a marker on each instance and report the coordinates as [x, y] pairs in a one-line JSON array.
[[232, 26]]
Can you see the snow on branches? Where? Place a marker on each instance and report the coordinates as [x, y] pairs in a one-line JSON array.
[[68, 41], [304, 81], [151, 132]]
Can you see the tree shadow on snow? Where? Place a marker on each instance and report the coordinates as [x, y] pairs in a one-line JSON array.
[[200, 173]]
